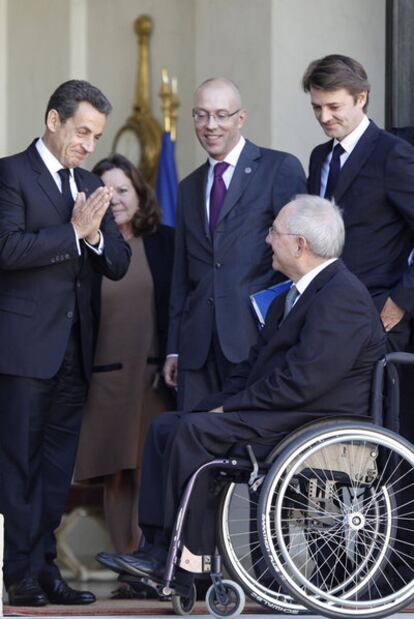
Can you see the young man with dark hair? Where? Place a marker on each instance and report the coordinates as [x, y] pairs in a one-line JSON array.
[[370, 174]]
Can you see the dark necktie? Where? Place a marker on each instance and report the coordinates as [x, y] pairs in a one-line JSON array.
[[334, 170], [67, 197], [218, 193], [291, 297]]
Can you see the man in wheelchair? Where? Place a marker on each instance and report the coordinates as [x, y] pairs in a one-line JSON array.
[[314, 359]]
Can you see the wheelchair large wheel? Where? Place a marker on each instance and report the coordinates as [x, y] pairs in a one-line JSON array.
[[239, 544], [337, 521], [238, 535]]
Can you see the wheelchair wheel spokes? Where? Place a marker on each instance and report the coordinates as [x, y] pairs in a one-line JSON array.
[[349, 489], [241, 549]]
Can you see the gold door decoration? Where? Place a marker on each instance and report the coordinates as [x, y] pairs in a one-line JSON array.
[[139, 138], [170, 104]]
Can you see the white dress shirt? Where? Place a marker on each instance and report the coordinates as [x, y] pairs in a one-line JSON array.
[[53, 165]]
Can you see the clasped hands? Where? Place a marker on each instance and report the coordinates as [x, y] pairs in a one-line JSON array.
[[88, 213]]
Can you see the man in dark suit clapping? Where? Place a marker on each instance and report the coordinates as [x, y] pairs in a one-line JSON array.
[[224, 210], [55, 232], [314, 358], [370, 174]]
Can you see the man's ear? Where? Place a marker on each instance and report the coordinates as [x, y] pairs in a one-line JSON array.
[[361, 99], [301, 245], [242, 117], [53, 120]]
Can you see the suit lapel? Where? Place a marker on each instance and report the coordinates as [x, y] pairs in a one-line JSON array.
[[277, 339], [45, 180], [316, 284], [201, 200], [243, 173], [320, 156], [356, 160], [81, 182], [278, 308], [197, 207]]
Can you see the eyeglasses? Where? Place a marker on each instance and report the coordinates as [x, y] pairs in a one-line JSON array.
[[202, 117], [273, 232]]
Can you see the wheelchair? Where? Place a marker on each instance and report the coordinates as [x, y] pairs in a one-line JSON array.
[[325, 523]]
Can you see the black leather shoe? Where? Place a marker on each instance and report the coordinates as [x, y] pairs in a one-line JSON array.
[[107, 559], [143, 565], [58, 592], [110, 560], [27, 592]]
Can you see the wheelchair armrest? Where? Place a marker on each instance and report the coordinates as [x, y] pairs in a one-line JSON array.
[[386, 373], [400, 358]]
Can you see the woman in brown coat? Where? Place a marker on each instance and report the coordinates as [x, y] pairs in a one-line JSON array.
[[126, 390]]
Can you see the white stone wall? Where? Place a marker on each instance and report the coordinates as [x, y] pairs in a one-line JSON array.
[[233, 38], [263, 45], [303, 30]]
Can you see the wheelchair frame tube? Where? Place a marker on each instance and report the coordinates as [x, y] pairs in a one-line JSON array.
[[228, 463]]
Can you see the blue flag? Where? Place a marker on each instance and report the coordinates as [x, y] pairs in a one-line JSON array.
[[167, 181]]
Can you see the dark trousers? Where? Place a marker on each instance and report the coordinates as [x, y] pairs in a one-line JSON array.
[[177, 445], [39, 429], [195, 385], [398, 339]]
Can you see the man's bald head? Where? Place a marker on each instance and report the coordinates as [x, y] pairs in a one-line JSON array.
[[218, 116], [221, 83]]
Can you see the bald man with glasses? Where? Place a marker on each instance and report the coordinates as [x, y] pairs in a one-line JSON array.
[[225, 208]]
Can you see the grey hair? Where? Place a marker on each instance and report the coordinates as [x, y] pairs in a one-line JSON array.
[[320, 222]]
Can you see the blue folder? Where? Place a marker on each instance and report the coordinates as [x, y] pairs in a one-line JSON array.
[[261, 300]]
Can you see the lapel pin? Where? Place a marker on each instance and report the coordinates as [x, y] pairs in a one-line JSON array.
[[247, 170]]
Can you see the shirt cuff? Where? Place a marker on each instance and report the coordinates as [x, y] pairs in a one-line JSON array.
[[98, 249], [77, 240]]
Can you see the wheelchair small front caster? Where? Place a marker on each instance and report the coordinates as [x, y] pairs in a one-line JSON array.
[[231, 605], [183, 605]]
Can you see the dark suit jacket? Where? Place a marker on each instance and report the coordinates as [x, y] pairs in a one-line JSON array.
[[42, 277], [405, 133], [319, 360], [376, 192], [213, 278], [159, 251]]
